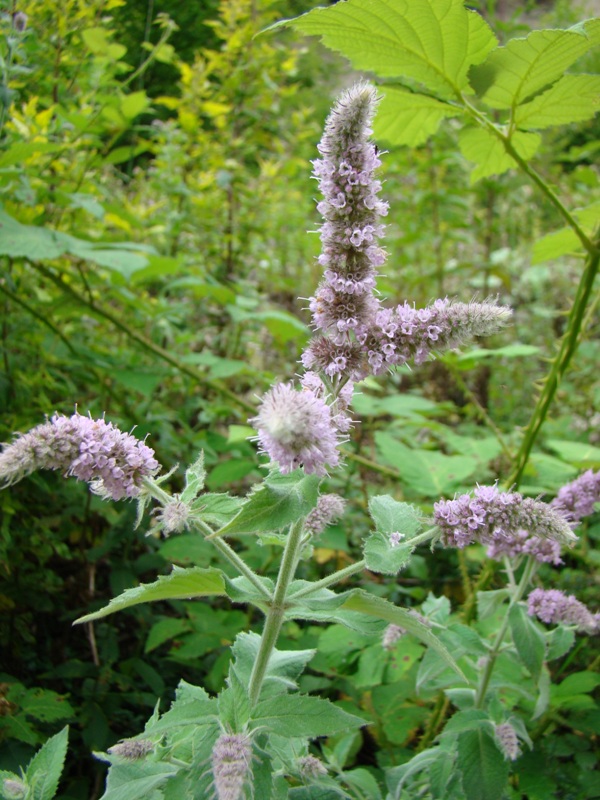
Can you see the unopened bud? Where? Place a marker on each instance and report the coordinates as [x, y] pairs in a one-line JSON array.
[[13, 789], [132, 749], [19, 21], [310, 768], [508, 741]]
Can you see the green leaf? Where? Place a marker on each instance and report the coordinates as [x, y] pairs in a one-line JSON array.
[[573, 98], [529, 641], [299, 715], [408, 118], [136, 781], [133, 104], [429, 473], [163, 630], [283, 669], [181, 584], [487, 151], [370, 605], [19, 152], [489, 602], [391, 517], [581, 454], [433, 43], [277, 502], [519, 70], [45, 705], [564, 240], [471, 720], [192, 706], [195, 475], [515, 350], [484, 770], [44, 769]]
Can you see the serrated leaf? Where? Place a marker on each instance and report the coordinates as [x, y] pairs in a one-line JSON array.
[[283, 669], [195, 475], [487, 151], [573, 98], [392, 516], [365, 603], [489, 602], [382, 556], [524, 66], [299, 715], [528, 640], [181, 584], [484, 770], [408, 118], [433, 43], [44, 769], [136, 781], [277, 502]]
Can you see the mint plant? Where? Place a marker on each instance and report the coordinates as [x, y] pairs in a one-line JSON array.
[[258, 737]]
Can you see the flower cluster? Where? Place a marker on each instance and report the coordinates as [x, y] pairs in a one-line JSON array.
[[351, 209], [231, 765], [310, 768], [577, 498], [329, 508], [132, 749], [94, 451], [552, 606], [493, 518], [508, 742]]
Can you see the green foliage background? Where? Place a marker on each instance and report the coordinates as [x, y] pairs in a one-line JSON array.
[[156, 193]]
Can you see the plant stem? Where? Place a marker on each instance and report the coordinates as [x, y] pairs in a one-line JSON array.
[[330, 580], [491, 659], [559, 366], [276, 611]]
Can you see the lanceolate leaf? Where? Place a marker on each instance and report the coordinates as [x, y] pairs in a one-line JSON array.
[[432, 43], [513, 73], [365, 603], [573, 99], [181, 584], [43, 772], [488, 151], [409, 118]]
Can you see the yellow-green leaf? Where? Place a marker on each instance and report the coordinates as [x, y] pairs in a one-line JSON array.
[[573, 99], [488, 151], [408, 118]]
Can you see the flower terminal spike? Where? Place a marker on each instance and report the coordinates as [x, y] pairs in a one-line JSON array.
[[578, 497], [552, 606], [113, 462], [490, 516], [329, 508]]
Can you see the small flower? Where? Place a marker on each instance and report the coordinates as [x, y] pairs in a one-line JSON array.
[[329, 508], [579, 497], [296, 429], [490, 517], [231, 765], [553, 606], [395, 538], [132, 749], [508, 741], [92, 450], [522, 543], [311, 768]]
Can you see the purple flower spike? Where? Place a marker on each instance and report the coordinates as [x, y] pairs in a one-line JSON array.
[[231, 765], [496, 518], [578, 497], [329, 508], [351, 209], [552, 606], [296, 428], [113, 462]]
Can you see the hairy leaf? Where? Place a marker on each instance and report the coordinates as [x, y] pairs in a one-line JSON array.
[[294, 715], [44, 769], [181, 584], [484, 770]]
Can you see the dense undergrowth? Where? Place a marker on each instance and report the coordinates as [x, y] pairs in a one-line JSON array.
[[156, 195]]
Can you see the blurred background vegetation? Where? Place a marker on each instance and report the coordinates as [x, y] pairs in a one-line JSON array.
[[155, 199]]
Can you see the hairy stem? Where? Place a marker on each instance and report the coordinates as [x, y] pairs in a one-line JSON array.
[[484, 681], [276, 612]]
